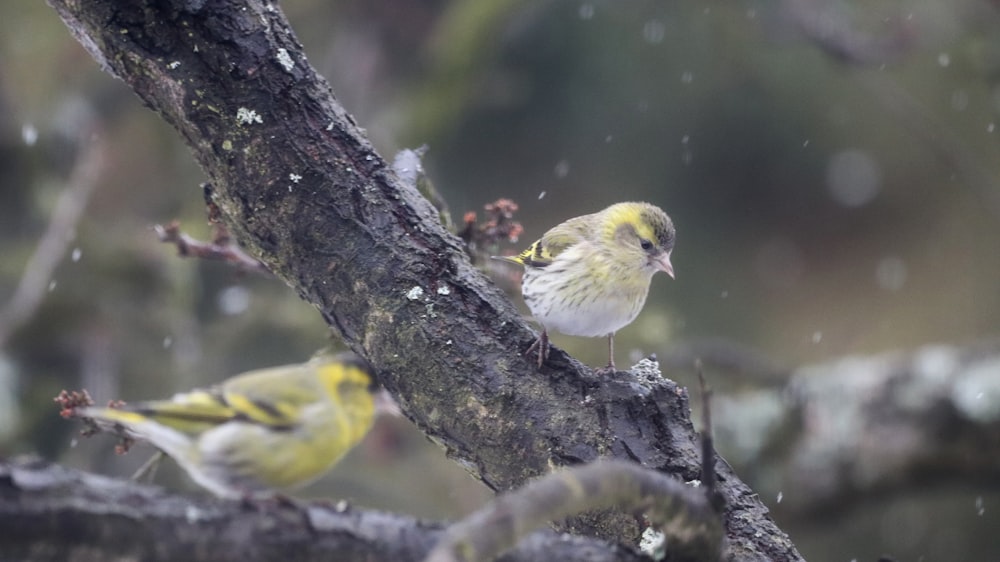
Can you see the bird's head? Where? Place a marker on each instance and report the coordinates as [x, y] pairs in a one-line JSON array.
[[643, 235]]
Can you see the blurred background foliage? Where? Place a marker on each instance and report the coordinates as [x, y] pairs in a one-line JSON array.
[[832, 168]]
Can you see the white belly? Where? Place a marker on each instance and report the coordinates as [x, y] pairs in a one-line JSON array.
[[587, 310], [600, 318]]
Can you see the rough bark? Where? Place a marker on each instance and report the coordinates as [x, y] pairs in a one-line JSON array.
[[305, 192], [684, 514]]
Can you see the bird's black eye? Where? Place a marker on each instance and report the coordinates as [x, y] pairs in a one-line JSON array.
[[646, 244]]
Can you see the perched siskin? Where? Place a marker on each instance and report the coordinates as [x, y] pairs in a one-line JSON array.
[[590, 275], [259, 431]]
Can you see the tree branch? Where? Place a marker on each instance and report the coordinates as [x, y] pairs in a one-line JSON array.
[[842, 431], [48, 512], [221, 248], [300, 186], [683, 512], [51, 249]]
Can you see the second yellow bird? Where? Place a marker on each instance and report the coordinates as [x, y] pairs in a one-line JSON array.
[[261, 431]]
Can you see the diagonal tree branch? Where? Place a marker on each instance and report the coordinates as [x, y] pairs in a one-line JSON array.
[[52, 247], [300, 186]]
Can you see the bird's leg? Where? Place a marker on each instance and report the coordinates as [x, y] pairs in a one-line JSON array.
[[262, 502], [148, 468], [542, 345], [283, 500], [610, 369]]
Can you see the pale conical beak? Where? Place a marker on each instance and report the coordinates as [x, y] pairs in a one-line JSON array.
[[663, 264]]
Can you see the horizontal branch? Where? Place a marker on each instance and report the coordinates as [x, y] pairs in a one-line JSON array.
[[841, 431], [48, 512]]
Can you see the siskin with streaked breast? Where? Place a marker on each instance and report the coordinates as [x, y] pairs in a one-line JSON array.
[[590, 275]]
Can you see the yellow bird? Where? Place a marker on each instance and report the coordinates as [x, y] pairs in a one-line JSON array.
[[590, 275], [260, 431]]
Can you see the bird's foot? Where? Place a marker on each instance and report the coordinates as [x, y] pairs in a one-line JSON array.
[[541, 345], [608, 369]]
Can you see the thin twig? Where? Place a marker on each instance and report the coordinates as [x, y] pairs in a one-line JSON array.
[[51, 248], [483, 239], [221, 248]]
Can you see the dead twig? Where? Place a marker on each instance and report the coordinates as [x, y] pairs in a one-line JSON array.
[[221, 248], [483, 239]]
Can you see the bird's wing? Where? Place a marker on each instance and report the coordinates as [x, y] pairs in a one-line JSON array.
[[274, 397], [190, 413], [555, 241], [269, 397]]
